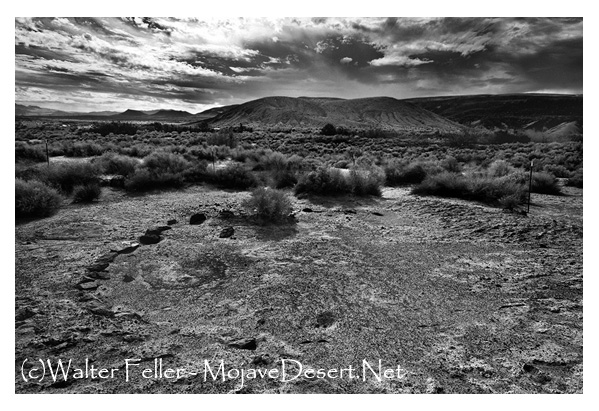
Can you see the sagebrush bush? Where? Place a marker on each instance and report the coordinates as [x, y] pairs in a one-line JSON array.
[[86, 193], [400, 173], [268, 204], [575, 180], [162, 162], [324, 181], [158, 170], [331, 182], [27, 152], [35, 199], [476, 187], [234, 175], [65, 176], [500, 168], [146, 180], [112, 163]]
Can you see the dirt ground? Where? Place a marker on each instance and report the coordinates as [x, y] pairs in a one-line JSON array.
[[464, 298]]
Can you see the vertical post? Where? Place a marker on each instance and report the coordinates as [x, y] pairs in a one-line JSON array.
[[530, 185], [47, 154]]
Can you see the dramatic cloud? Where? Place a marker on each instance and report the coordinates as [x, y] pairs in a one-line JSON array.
[[92, 64]]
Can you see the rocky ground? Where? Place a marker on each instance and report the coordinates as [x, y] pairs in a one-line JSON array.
[[464, 298]]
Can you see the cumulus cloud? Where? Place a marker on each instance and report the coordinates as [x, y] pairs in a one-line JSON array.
[[194, 63]]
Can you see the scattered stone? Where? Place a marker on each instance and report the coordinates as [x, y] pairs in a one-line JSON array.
[[171, 222], [227, 232], [128, 278], [325, 319], [107, 258], [377, 213], [24, 313], [98, 266], [88, 285], [150, 239], [244, 344], [226, 214], [307, 210], [197, 219], [99, 275], [100, 309], [262, 360], [129, 249], [350, 211]]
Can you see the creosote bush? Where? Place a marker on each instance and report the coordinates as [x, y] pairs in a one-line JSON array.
[[65, 176], [35, 199], [268, 204]]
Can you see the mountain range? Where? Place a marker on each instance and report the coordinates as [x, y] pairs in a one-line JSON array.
[[554, 113]]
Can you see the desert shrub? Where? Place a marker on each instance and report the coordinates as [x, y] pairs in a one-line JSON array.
[[234, 175], [158, 170], [451, 164], [474, 187], [86, 193], [162, 162], [324, 181], [146, 180], [65, 176], [400, 173], [35, 199], [222, 138], [115, 127], [331, 182], [283, 178], [268, 204], [82, 149], [443, 185], [27, 152], [112, 163], [328, 130], [545, 183], [575, 180], [499, 168], [364, 182], [196, 172], [510, 201]]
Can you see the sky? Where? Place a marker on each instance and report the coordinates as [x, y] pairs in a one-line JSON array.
[[114, 64]]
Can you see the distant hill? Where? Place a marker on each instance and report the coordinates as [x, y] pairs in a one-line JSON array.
[[307, 112], [507, 111]]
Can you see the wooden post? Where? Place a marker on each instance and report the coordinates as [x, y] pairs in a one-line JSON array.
[[530, 185], [47, 154]]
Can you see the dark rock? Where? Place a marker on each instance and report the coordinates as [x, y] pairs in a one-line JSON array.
[[98, 266], [226, 214], [150, 239], [99, 275], [171, 222], [107, 258], [325, 319], [307, 210], [198, 218], [88, 285], [128, 278], [377, 213], [244, 344], [350, 211], [262, 360], [100, 309], [227, 232], [24, 313]]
